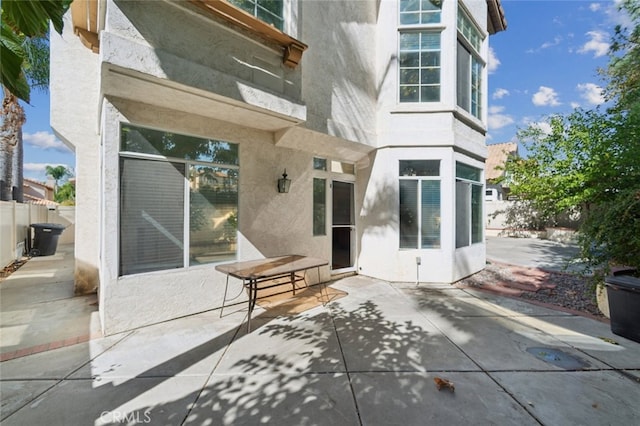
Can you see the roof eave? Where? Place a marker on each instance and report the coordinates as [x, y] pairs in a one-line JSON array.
[[496, 20]]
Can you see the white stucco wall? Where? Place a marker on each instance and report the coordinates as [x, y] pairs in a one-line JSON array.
[[169, 67], [378, 227], [75, 101], [270, 224], [338, 70]]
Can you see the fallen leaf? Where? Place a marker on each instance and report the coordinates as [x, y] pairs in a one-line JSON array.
[[444, 383]]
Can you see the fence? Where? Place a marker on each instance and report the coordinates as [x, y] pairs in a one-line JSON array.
[[496, 223], [15, 230]]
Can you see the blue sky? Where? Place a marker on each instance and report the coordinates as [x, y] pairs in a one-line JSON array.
[[545, 62]]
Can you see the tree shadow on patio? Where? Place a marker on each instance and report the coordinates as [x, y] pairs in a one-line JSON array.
[[305, 378]]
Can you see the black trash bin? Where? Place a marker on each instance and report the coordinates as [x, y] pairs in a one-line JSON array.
[[623, 292], [45, 240]]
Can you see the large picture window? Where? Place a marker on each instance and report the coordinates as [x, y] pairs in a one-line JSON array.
[[178, 200], [469, 194], [469, 66], [419, 204]]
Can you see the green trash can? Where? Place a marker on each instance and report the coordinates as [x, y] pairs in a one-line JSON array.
[[623, 292], [45, 239]]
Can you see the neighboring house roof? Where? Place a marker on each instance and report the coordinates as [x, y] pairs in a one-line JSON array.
[[29, 199], [498, 154], [38, 183]]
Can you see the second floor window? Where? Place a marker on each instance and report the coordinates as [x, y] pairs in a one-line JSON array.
[[419, 66], [469, 67], [419, 50], [269, 11], [420, 11]]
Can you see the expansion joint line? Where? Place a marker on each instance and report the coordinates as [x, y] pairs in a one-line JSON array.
[[346, 368], [215, 367], [488, 374]]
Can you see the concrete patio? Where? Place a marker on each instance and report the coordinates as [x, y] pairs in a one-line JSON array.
[[369, 358]]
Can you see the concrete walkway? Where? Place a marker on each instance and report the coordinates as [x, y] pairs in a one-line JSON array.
[[369, 358], [535, 253], [38, 310]]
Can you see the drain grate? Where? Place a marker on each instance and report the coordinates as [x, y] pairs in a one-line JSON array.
[[558, 358]]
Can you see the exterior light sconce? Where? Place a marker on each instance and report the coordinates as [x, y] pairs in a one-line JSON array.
[[284, 183]]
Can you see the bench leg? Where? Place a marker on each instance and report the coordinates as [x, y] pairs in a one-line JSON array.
[[226, 286], [253, 295], [324, 285]]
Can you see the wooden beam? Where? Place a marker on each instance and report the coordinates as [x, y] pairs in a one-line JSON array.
[[84, 15], [292, 48]]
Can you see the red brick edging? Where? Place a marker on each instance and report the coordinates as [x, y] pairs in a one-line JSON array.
[[49, 346]]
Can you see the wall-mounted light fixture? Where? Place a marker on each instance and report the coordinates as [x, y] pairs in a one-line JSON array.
[[284, 183]]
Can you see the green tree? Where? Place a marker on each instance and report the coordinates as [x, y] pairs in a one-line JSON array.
[[566, 165], [590, 160], [25, 64], [57, 173], [66, 194], [623, 71]]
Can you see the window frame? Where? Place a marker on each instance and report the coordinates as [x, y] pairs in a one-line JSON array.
[[257, 7], [435, 27], [187, 193], [470, 40], [411, 177], [316, 222], [478, 188]]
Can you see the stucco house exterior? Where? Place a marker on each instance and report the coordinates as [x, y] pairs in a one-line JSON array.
[[184, 114]]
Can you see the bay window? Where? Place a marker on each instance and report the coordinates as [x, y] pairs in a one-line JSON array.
[[469, 195], [469, 66]]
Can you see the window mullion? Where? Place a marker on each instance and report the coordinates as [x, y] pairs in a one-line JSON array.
[[186, 195], [419, 209], [469, 203]]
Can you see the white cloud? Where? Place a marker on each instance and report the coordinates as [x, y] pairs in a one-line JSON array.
[[590, 92], [493, 61], [574, 105], [542, 125], [546, 45], [556, 41], [615, 16], [545, 96], [44, 140], [500, 93], [594, 7], [598, 44], [497, 119]]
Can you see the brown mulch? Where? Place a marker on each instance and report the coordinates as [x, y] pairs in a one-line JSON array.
[[568, 291], [11, 268]]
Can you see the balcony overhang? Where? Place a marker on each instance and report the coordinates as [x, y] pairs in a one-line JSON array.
[[496, 20], [141, 88], [84, 16], [292, 49]]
